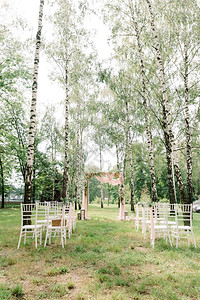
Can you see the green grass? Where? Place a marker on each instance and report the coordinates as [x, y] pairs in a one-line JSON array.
[[104, 259]]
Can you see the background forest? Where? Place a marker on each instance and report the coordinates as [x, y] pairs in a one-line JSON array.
[[132, 107]]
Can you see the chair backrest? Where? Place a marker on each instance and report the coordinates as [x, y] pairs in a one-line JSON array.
[[171, 213], [42, 210], [184, 214], [159, 212], [145, 217], [138, 208], [57, 220], [28, 214]]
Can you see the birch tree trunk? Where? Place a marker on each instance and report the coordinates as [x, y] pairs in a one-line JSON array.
[[100, 153], [118, 170], [30, 154], [78, 158], [65, 191], [34, 178], [125, 157], [52, 161], [2, 184], [187, 127], [167, 125], [147, 123], [65, 8], [81, 165], [131, 155]]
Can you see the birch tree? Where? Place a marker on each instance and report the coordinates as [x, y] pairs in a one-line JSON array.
[[187, 43], [30, 153], [166, 122], [70, 35], [144, 96]]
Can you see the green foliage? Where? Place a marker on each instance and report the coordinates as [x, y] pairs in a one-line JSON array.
[[94, 189]]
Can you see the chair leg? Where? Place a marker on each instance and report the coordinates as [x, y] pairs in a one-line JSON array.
[[145, 233], [153, 243], [61, 233], [65, 237], [50, 237], [41, 236], [20, 236], [169, 239], [194, 242], [45, 242], [25, 237], [177, 241], [35, 240], [188, 238]]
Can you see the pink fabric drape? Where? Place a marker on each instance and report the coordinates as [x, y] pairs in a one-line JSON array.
[[107, 178]]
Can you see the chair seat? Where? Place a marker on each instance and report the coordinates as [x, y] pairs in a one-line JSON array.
[[56, 227], [31, 226], [169, 222], [42, 221], [160, 226], [182, 227]]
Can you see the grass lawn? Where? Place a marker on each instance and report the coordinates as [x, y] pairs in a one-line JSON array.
[[104, 259]]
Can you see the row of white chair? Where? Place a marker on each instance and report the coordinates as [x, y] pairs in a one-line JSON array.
[[170, 221], [53, 217]]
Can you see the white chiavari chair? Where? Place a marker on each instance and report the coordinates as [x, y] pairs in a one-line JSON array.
[[29, 224], [183, 228], [56, 227], [159, 224]]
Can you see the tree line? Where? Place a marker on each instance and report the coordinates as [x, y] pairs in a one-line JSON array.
[[143, 102]]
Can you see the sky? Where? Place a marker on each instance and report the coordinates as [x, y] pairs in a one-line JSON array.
[[50, 92]]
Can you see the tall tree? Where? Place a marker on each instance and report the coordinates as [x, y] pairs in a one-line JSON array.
[[144, 96], [2, 184], [30, 153], [166, 122], [186, 33], [130, 153]]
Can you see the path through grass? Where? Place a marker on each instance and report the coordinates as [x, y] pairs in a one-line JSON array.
[[104, 259]]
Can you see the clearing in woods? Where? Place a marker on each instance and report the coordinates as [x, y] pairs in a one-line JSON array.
[[104, 259]]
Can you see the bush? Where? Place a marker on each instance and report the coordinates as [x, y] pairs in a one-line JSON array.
[[97, 200]]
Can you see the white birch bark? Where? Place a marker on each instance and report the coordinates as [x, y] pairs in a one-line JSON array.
[[167, 125], [100, 153], [31, 140], [187, 127], [65, 192], [2, 184], [147, 123], [130, 154], [81, 164], [118, 170], [78, 158]]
